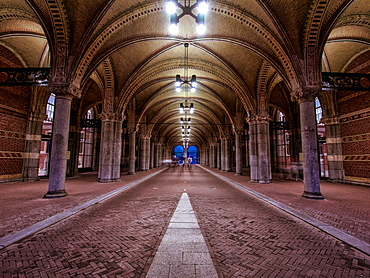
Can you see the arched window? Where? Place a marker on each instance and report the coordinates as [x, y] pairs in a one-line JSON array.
[[281, 149], [318, 110], [47, 129], [87, 151], [321, 135]]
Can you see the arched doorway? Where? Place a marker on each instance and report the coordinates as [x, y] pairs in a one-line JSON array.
[[193, 153], [178, 153]]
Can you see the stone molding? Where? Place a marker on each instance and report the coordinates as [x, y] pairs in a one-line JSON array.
[[64, 90], [330, 120], [111, 117], [307, 94]]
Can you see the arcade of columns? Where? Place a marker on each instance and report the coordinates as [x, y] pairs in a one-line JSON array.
[[217, 153]]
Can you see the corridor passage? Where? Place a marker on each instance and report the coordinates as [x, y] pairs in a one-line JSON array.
[[121, 235]]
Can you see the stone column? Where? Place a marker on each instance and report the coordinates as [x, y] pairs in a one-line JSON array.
[[147, 152], [59, 148], [263, 143], [157, 155], [110, 150], [132, 151], [238, 153], [160, 155], [218, 155], [141, 153], [334, 148], [246, 149], [311, 173], [33, 143], [117, 149], [206, 152], [222, 154], [214, 154], [106, 148], [253, 150], [152, 155], [228, 159], [211, 156]]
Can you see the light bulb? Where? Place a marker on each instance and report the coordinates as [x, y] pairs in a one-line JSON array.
[[171, 7], [201, 29], [173, 29], [202, 7]]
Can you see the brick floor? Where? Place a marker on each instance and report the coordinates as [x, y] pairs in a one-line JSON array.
[[118, 237], [346, 207]]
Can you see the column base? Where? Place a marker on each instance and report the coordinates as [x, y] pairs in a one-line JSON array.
[[131, 173], [254, 181], [238, 174], [105, 180], [265, 182], [310, 195], [55, 194]]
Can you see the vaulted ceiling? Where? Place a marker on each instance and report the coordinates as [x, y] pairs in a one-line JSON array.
[[251, 50]]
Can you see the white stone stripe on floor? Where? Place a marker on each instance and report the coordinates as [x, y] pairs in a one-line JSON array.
[[183, 251]]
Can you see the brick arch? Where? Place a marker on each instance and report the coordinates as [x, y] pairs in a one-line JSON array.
[[58, 14], [142, 77], [219, 8], [108, 74], [314, 22], [262, 87], [11, 13]]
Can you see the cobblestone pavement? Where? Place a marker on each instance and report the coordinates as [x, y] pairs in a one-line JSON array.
[[119, 236]]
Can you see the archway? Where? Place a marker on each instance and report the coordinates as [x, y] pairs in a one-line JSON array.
[[193, 153], [178, 153]]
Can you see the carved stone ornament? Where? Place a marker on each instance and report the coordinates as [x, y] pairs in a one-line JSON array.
[[305, 95], [111, 117], [59, 89], [76, 92], [64, 90], [263, 119], [59, 75], [312, 74]]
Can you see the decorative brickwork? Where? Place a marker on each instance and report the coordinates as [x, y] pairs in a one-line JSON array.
[[12, 143], [13, 122], [355, 129]]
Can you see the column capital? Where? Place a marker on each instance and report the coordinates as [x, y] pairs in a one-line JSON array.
[[145, 135], [305, 94], [263, 119], [111, 117], [250, 119], [258, 119], [65, 90]]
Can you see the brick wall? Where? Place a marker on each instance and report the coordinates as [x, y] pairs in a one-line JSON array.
[[354, 109], [14, 106]]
